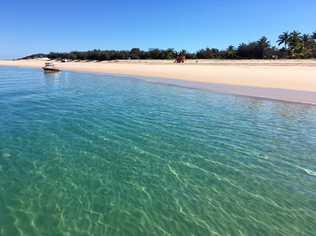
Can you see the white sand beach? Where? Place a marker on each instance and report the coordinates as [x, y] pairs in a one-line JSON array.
[[288, 80]]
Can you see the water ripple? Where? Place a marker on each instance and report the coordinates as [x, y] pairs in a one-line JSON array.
[[88, 154]]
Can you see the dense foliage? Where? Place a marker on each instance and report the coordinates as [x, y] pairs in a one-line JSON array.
[[290, 45]]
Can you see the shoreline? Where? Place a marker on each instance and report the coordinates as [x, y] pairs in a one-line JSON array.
[[272, 94], [285, 80]]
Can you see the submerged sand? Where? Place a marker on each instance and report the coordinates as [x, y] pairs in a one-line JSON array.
[[288, 80]]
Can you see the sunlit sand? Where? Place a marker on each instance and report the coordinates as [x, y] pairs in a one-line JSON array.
[[289, 80]]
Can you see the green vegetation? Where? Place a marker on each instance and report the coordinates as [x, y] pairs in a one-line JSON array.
[[290, 45]]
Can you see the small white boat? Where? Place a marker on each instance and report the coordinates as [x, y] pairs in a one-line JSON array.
[[50, 68]]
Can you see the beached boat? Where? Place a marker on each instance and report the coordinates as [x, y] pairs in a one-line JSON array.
[[50, 68]]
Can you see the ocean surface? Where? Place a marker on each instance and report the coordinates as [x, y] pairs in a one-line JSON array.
[[84, 154]]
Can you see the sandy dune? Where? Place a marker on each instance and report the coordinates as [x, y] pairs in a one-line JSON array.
[[290, 80]]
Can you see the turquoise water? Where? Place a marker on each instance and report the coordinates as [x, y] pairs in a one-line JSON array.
[[85, 154]]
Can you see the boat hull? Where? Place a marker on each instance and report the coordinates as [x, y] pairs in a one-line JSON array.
[[50, 70]]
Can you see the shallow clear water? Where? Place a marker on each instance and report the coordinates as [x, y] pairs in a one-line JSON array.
[[84, 154]]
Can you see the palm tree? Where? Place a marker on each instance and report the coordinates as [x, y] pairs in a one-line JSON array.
[[295, 37], [263, 42], [284, 39], [296, 45], [231, 52], [306, 38], [262, 45], [307, 45]]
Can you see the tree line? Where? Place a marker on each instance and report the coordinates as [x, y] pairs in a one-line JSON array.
[[290, 45]]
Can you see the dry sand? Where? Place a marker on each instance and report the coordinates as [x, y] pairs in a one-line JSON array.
[[288, 80]]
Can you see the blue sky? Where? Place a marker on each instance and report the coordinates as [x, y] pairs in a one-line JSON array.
[[63, 25]]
